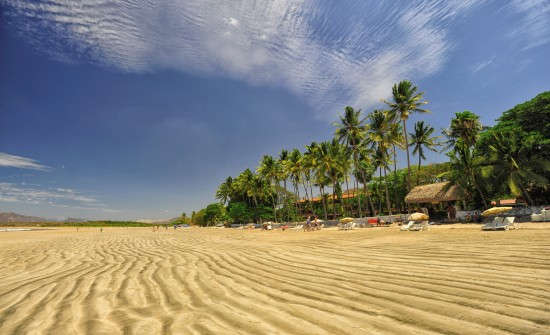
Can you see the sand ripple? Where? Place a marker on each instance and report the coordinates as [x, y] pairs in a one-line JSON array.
[[221, 281]]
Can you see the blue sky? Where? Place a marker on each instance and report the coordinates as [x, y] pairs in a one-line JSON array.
[[140, 109]]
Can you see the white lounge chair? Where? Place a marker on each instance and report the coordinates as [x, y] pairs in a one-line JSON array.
[[497, 222], [507, 223], [419, 226], [298, 227], [407, 226], [511, 221]]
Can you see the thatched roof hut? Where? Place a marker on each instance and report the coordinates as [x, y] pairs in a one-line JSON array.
[[434, 193]]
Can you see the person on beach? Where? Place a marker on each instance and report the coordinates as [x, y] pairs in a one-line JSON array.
[[308, 223]]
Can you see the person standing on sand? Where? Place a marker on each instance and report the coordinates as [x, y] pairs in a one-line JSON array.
[[308, 223]]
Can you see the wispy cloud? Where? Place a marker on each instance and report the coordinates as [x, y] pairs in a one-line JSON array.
[[57, 197], [533, 28], [7, 160], [483, 64], [349, 52]]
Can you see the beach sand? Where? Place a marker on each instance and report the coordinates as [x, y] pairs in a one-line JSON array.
[[448, 280]]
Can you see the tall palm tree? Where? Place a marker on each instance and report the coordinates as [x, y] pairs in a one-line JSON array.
[[308, 166], [225, 190], [320, 154], [466, 126], [466, 170], [295, 171], [351, 130], [253, 188], [284, 173], [364, 174], [406, 100], [269, 170], [379, 137], [395, 137], [420, 139]]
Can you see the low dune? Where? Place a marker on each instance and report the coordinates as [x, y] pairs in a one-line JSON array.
[[448, 280]]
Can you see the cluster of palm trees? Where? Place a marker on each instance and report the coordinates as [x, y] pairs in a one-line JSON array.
[[362, 146]]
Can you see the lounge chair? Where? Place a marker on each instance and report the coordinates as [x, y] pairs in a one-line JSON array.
[[511, 220], [407, 226], [419, 226], [298, 227], [507, 223], [497, 222]]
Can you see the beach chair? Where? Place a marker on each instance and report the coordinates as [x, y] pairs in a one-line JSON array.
[[497, 221], [511, 221], [419, 226], [298, 227], [506, 224], [407, 226], [351, 225]]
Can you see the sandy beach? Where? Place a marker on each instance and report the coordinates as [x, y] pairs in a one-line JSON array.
[[448, 280]]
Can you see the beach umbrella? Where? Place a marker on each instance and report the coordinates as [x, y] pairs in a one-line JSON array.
[[496, 211], [418, 217], [346, 220]]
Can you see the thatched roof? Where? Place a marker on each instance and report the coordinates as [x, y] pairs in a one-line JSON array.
[[433, 193]]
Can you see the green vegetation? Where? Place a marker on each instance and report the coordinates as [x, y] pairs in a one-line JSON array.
[[510, 159]]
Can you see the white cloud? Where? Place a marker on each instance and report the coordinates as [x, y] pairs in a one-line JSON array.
[[331, 54], [7, 160], [533, 29], [59, 197], [481, 65]]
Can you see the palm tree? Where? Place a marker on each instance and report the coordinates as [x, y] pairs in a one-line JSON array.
[[269, 169], [295, 172], [308, 167], [252, 186], [364, 174], [225, 190], [380, 140], [466, 170], [466, 126], [511, 164], [351, 130], [466, 167], [406, 100], [420, 139], [395, 137]]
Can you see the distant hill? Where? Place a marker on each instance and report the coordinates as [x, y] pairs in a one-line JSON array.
[[76, 220], [14, 217]]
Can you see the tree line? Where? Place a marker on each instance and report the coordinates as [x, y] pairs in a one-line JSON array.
[[510, 159]]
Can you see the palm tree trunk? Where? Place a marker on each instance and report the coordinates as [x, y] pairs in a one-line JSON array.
[[322, 190], [346, 203], [311, 193], [299, 210], [278, 198], [478, 188], [397, 202], [333, 199], [379, 193], [408, 156], [418, 171], [369, 199], [297, 199], [525, 194], [387, 192], [359, 196], [256, 209]]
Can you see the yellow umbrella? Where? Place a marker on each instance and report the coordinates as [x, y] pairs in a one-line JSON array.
[[496, 210], [346, 220], [418, 217]]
